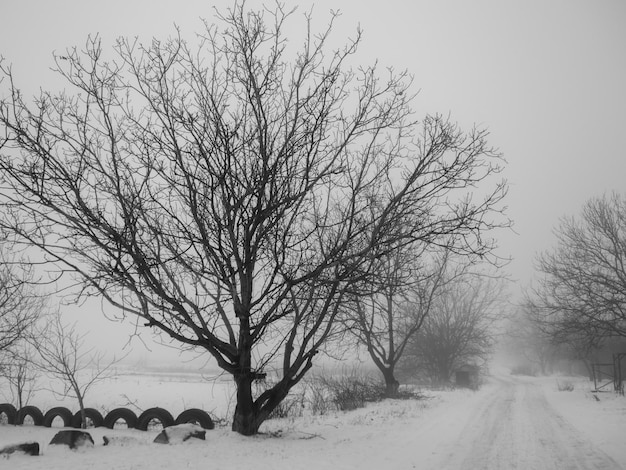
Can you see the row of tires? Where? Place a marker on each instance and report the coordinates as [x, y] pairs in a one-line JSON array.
[[95, 418]]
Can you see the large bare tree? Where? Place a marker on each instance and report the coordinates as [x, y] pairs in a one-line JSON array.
[[581, 292], [231, 192]]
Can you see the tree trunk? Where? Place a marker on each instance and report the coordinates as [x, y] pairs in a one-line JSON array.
[[443, 376], [83, 417], [589, 369], [81, 401], [391, 384], [20, 392], [246, 419], [250, 413]]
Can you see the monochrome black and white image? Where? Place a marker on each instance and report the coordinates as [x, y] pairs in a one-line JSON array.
[[312, 234]]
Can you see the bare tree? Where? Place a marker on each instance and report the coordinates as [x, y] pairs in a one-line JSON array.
[[19, 371], [20, 308], [555, 337], [530, 342], [20, 305], [385, 320], [460, 327], [61, 352], [581, 293], [230, 194]]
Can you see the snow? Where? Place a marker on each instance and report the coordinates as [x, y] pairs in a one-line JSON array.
[[178, 434], [601, 420], [439, 432]]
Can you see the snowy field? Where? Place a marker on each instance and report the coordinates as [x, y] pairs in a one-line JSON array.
[[395, 434]]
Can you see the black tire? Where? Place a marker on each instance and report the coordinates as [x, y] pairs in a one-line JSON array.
[[32, 411], [91, 414], [196, 415], [10, 411], [161, 415], [61, 412], [127, 415]]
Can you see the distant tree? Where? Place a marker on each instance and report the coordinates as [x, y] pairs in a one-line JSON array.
[[565, 340], [460, 328], [581, 293], [385, 320], [19, 371], [530, 341], [62, 353], [231, 195], [20, 308], [20, 305]]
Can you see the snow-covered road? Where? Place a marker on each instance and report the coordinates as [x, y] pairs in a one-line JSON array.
[[514, 426]]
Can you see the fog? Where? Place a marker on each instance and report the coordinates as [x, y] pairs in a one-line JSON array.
[[546, 78]]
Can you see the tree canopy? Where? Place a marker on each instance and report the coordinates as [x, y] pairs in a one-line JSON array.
[[231, 192], [581, 293]]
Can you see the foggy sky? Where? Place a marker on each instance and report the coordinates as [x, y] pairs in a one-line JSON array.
[[547, 78]]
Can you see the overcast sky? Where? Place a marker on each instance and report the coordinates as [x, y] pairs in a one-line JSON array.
[[546, 77]]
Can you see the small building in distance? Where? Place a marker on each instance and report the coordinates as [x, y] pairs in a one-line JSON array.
[[467, 376]]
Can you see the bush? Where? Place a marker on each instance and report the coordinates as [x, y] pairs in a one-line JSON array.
[[319, 398], [349, 393], [525, 369], [290, 407], [324, 394], [565, 386], [410, 394]]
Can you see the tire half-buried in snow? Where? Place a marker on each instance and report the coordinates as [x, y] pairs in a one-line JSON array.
[[158, 414], [91, 414], [197, 416], [113, 416], [32, 411], [58, 412], [9, 411]]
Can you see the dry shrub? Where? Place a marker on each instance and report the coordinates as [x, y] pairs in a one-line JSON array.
[[319, 398], [290, 407], [565, 386], [351, 392], [523, 370]]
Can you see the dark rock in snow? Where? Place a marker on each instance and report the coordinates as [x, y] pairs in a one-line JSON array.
[[73, 438], [28, 448], [180, 433]]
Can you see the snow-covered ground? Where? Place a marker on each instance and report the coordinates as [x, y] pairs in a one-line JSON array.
[[452, 429], [601, 420]]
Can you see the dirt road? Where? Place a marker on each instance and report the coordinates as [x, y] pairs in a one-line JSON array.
[[514, 426]]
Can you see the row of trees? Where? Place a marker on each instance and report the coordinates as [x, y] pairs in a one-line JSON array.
[[240, 194], [430, 314], [578, 304]]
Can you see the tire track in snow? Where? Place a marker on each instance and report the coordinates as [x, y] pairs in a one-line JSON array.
[[514, 427]]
